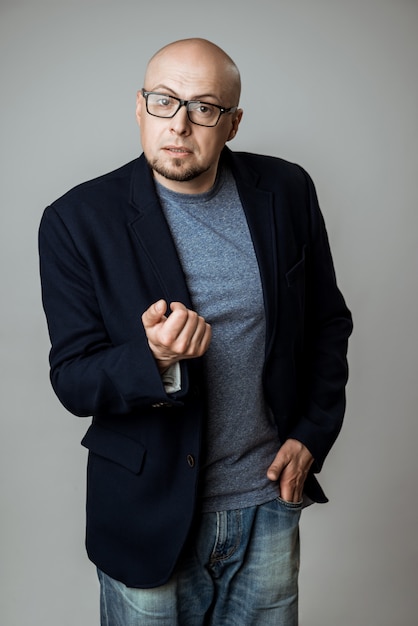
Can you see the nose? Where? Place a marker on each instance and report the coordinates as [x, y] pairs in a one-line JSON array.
[[180, 123]]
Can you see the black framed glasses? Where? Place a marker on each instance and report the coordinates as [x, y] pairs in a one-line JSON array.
[[200, 113]]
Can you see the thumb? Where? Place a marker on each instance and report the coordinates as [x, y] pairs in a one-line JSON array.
[[276, 468], [154, 314]]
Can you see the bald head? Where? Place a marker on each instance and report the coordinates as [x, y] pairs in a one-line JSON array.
[[196, 59], [183, 153]]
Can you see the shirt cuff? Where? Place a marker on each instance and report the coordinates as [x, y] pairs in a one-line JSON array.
[[172, 378]]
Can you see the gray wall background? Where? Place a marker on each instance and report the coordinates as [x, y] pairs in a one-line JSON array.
[[327, 83]]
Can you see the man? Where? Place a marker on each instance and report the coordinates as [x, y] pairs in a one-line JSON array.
[[194, 313]]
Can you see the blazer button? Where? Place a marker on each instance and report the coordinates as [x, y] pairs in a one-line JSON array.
[[190, 460]]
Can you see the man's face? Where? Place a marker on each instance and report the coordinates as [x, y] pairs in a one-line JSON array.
[[184, 156]]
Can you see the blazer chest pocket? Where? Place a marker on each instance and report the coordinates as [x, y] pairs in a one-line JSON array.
[[297, 273], [115, 447]]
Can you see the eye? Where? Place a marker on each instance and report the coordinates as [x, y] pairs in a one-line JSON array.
[[205, 109], [163, 101]]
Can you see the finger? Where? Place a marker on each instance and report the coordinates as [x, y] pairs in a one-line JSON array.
[[288, 493], [187, 333], [184, 326], [185, 321], [206, 339], [200, 339], [178, 306], [180, 326], [191, 338], [154, 314], [204, 342], [287, 486]]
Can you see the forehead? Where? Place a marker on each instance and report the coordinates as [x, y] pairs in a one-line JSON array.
[[188, 73]]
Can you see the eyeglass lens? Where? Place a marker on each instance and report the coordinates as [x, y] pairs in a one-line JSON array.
[[202, 113]]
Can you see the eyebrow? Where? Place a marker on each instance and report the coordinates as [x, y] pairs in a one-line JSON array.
[[174, 93]]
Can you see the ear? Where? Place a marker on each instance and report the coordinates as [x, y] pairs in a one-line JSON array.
[[235, 123], [138, 111]]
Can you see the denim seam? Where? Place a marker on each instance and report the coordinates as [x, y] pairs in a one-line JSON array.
[[218, 558]]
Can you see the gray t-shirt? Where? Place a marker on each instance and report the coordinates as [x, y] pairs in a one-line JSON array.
[[218, 259]]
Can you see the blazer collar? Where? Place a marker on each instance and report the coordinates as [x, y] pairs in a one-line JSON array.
[[153, 235]]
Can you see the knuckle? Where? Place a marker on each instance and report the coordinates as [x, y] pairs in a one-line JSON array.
[[166, 338], [182, 346], [194, 318], [179, 316]]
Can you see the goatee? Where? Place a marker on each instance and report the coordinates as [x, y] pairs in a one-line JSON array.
[[176, 171]]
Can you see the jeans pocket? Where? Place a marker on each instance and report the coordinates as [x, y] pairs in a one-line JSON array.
[[291, 506]]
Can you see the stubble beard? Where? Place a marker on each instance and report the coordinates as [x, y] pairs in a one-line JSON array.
[[176, 170]]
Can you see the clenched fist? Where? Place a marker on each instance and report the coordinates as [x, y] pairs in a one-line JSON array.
[[182, 335]]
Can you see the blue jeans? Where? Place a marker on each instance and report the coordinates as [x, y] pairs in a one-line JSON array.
[[241, 569]]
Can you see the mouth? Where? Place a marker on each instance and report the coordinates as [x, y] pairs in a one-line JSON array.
[[177, 151]]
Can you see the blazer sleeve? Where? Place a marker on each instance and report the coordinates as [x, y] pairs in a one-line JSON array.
[[328, 325], [91, 373]]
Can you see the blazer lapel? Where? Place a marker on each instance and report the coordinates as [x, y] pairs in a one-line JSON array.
[[153, 235], [258, 208]]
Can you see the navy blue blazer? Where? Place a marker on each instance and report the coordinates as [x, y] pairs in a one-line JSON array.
[[106, 254]]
